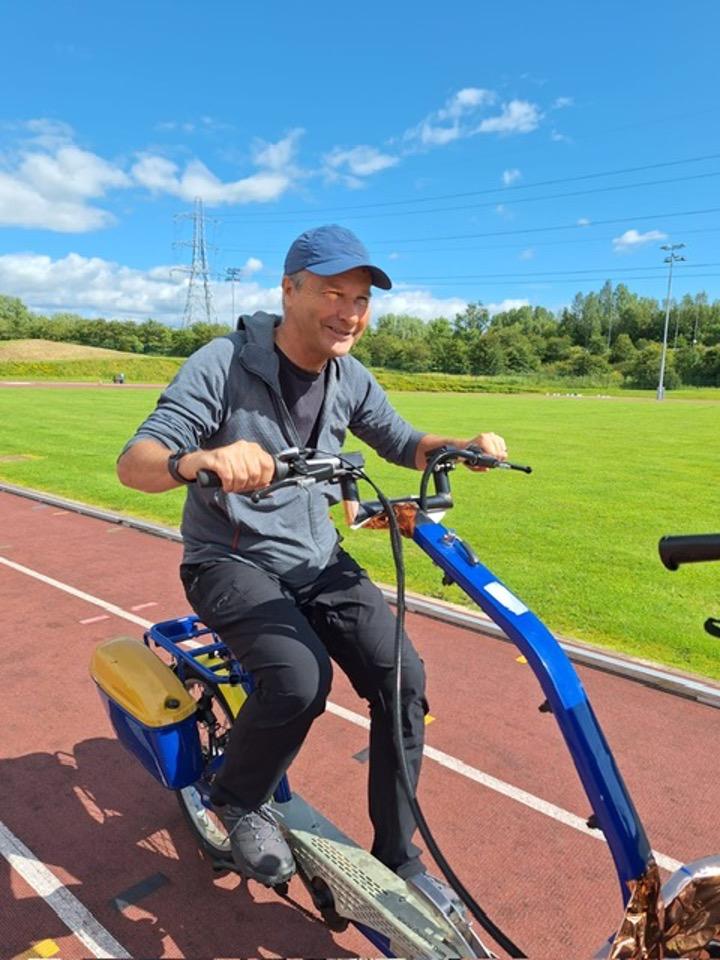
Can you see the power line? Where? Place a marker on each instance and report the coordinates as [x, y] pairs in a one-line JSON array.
[[489, 246], [471, 193], [547, 273], [566, 226], [540, 281], [547, 196]]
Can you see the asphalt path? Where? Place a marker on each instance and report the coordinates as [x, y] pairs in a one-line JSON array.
[[97, 860]]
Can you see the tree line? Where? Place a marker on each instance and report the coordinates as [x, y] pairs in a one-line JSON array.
[[612, 336]]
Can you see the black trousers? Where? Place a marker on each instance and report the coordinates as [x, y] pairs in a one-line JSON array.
[[286, 638]]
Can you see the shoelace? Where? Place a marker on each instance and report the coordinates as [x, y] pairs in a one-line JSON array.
[[263, 830]]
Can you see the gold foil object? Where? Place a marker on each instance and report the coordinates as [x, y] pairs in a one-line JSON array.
[[682, 927], [639, 936], [405, 514]]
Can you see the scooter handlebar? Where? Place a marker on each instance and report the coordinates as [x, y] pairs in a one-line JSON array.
[[690, 548]]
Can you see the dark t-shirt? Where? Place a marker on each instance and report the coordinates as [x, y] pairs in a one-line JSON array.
[[303, 392]]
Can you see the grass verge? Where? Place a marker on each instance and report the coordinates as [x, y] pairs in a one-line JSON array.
[[577, 540]]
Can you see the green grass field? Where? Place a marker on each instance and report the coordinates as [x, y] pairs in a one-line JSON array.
[[577, 540]]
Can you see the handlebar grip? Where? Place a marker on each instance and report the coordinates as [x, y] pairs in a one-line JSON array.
[[350, 498], [208, 478], [690, 548]]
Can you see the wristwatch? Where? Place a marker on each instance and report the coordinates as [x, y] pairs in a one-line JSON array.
[[173, 462]]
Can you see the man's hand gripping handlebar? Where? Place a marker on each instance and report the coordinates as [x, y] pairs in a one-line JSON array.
[[305, 467]]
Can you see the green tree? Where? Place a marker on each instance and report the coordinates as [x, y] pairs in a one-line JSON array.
[[15, 319], [472, 322], [623, 349], [644, 371], [486, 356], [155, 337], [401, 325]]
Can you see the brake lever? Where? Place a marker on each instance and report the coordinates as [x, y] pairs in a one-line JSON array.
[[257, 495], [476, 458]]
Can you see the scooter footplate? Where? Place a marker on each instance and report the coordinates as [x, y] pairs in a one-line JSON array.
[[364, 890]]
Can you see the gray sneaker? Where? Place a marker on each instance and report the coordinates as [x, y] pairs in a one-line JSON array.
[[259, 849]]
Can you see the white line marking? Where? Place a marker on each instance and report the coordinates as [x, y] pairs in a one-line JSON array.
[[444, 759], [68, 908], [73, 591], [142, 606], [506, 789], [101, 616]]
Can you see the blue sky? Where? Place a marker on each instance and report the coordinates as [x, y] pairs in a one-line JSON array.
[[498, 152]]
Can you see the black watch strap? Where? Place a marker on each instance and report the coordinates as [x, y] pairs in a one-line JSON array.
[[173, 462]]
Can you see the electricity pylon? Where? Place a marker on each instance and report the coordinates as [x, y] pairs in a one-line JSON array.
[[198, 304]]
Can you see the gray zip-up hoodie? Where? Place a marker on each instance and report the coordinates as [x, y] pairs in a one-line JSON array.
[[229, 390]]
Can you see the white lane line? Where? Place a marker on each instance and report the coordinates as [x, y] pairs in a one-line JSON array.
[[68, 908], [73, 591], [444, 759]]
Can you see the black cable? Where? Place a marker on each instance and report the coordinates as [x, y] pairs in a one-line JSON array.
[[470, 193], [566, 226], [475, 909]]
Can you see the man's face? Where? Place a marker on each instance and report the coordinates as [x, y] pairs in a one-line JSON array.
[[327, 315]]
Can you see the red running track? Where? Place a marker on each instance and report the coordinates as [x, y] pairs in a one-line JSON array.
[[117, 842]]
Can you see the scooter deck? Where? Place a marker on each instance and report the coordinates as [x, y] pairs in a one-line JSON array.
[[365, 891]]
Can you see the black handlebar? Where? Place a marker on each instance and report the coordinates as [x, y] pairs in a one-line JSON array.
[[692, 548], [296, 467]]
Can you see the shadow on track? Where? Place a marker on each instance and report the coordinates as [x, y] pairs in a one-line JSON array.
[[111, 834]]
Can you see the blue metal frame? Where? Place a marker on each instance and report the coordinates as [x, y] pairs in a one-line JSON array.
[[169, 634], [593, 759]]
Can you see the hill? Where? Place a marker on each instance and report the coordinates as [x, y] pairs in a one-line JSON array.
[[51, 360], [39, 350]]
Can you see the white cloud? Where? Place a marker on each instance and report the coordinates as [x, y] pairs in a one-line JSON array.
[[517, 116], [49, 133], [511, 176], [631, 240], [252, 265], [422, 304], [504, 305], [584, 222], [527, 254], [458, 118], [70, 173], [464, 101], [92, 286], [560, 137], [357, 162], [161, 175], [49, 183], [561, 102], [417, 303], [279, 155]]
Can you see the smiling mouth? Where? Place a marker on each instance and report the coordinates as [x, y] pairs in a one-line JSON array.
[[339, 332]]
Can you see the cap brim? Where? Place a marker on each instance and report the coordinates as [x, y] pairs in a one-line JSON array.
[[329, 268]]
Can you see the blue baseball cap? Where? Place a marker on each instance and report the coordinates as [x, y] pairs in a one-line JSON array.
[[330, 250]]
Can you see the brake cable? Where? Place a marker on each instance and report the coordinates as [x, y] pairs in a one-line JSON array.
[[397, 553]]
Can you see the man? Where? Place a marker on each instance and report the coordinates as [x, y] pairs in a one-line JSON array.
[[271, 578]]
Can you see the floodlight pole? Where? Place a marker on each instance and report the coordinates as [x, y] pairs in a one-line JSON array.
[[232, 274], [670, 259]]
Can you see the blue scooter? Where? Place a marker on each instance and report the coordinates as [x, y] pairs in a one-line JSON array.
[[174, 716]]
